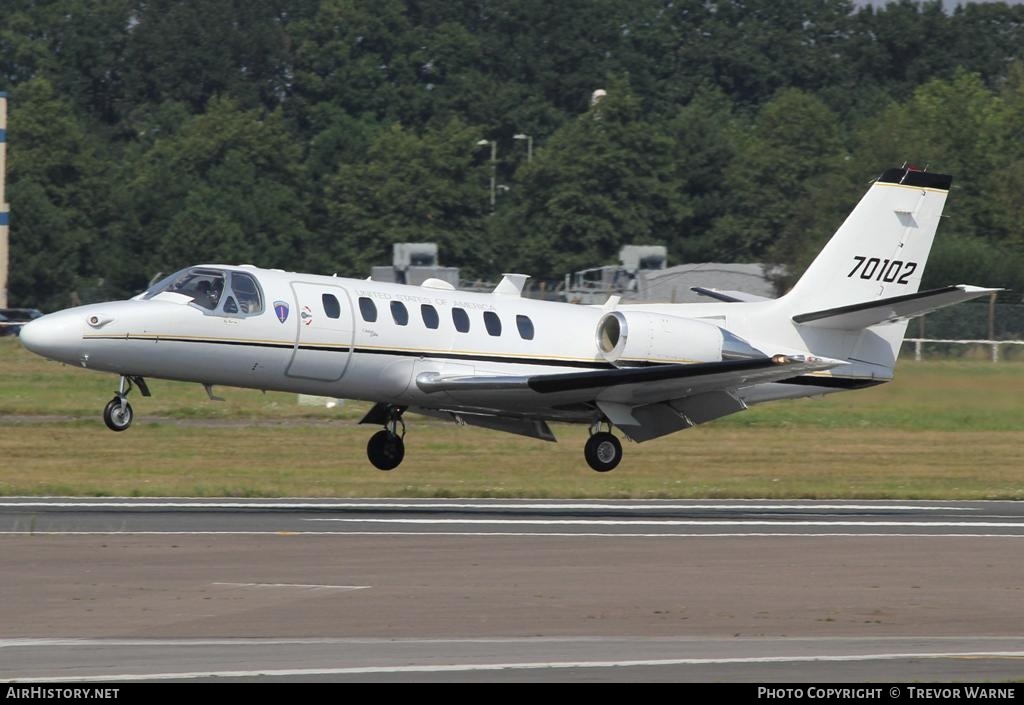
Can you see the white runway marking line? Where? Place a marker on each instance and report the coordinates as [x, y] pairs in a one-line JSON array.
[[295, 585], [672, 522], [454, 505], [469, 667]]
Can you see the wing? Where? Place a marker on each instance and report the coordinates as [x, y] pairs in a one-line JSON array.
[[645, 402]]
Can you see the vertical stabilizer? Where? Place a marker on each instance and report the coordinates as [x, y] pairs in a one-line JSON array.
[[881, 249], [879, 252]]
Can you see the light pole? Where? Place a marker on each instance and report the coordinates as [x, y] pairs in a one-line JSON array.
[[4, 208], [529, 145], [494, 167]]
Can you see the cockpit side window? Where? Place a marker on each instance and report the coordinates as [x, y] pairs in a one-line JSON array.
[[248, 293]]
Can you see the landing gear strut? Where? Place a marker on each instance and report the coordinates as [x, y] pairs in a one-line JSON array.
[[386, 449], [603, 451], [118, 414]]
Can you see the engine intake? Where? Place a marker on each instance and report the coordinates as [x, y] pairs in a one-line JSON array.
[[626, 338]]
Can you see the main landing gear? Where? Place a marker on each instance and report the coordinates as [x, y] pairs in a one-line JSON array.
[[386, 449], [118, 414], [603, 451]]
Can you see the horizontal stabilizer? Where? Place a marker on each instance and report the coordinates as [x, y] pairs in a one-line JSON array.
[[896, 308], [728, 296]]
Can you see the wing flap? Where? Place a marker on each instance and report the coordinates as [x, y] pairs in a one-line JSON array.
[[534, 428], [661, 418], [896, 308]]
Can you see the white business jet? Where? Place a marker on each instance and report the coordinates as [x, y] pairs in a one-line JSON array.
[[512, 364]]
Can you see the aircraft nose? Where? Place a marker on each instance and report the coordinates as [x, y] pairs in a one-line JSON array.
[[56, 336]]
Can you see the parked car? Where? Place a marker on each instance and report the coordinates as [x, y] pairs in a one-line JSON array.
[[12, 319]]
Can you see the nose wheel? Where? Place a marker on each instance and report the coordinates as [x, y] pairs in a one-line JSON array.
[[118, 414], [603, 451], [386, 448]]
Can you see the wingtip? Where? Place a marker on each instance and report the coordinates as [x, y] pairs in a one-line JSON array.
[[808, 360]]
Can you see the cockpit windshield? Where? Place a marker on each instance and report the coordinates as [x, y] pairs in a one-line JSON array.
[[205, 286], [229, 293]]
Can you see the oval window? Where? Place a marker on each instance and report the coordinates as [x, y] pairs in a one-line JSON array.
[[492, 322], [430, 318], [400, 313], [461, 320], [331, 306], [525, 326]]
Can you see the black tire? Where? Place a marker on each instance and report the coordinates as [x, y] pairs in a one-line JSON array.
[[115, 418], [603, 452], [385, 450]]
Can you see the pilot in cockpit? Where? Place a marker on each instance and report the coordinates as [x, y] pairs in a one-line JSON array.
[[202, 296], [215, 292]]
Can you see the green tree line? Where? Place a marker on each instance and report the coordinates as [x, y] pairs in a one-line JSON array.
[[146, 135]]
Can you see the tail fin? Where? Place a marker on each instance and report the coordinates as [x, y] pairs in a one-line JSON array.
[[881, 249], [879, 252]]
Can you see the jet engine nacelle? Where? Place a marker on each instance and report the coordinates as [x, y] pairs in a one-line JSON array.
[[629, 337]]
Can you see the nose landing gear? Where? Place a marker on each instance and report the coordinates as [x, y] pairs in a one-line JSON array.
[[118, 414]]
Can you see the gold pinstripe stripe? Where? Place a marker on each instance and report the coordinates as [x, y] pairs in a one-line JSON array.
[[158, 336], [384, 348]]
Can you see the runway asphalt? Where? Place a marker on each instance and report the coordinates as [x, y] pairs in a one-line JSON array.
[[510, 590]]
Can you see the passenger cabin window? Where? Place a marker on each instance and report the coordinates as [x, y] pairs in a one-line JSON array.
[[213, 290], [430, 318], [461, 320], [331, 306], [525, 326], [368, 309], [400, 313], [492, 323]]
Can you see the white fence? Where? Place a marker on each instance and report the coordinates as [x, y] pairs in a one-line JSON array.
[[993, 344]]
